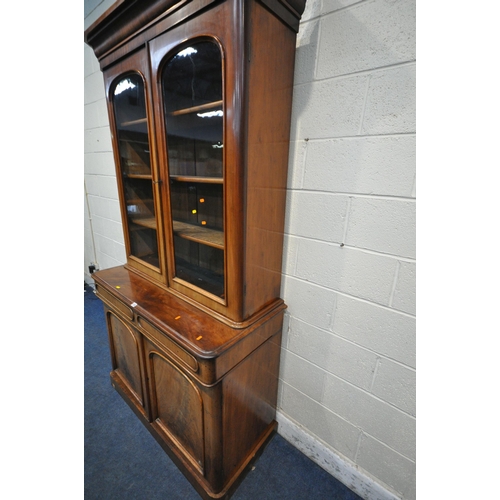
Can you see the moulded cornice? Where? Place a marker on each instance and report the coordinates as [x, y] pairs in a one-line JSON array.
[[126, 18]]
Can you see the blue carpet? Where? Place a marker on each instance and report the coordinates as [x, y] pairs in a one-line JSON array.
[[124, 462]]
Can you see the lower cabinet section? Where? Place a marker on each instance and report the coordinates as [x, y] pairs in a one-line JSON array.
[[212, 412]]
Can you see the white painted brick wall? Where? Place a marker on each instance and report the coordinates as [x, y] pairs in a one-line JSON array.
[[370, 34], [395, 383], [390, 101], [380, 329], [382, 165], [332, 353], [104, 243], [332, 429], [361, 274], [404, 297], [317, 215], [377, 418], [331, 108], [348, 363], [387, 465], [383, 225], [348, 357], [314, 304]]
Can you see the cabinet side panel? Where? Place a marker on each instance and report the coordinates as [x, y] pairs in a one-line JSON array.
[[249, 403], [125, 353], [272, 55]]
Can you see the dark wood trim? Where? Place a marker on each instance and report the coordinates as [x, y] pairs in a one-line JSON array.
[[124, 19], [128, 18]]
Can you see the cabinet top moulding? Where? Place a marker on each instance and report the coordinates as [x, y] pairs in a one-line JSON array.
[[127, 19]]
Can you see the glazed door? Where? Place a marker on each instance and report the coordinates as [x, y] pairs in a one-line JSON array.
[[128, 90], [197, 125], [191, 83]]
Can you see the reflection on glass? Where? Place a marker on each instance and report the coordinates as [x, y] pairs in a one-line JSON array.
[[192, 85], [133, 142], [193, 106]]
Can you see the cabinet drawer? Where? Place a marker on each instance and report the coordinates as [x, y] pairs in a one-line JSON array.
[[114, 303], [177, 352]]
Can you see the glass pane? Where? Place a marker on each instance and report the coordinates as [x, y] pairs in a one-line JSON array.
[[192, 85], [197, 203], [200, 265], [192, 93], [132, 134]]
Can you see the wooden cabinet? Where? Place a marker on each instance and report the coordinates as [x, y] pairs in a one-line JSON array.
[[199, 97]]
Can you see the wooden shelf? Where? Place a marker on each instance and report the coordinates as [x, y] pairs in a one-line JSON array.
[[149, 222], [194, 178], [134, 122], [205, 236], [194, 109], [134, 141], [138, 176], [139, 200]]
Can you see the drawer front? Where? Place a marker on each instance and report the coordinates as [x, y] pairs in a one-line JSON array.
[[177, 352], [106, 297]]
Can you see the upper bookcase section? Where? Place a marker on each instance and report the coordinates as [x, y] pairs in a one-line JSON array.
[[127, 19]]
